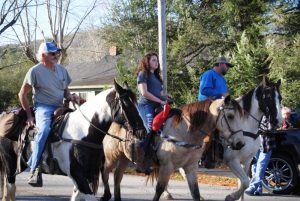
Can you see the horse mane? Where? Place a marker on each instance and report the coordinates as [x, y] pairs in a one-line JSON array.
[[197, 113], [132, 95], [111, 97]]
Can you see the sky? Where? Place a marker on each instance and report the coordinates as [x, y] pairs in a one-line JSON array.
[[76, 11]]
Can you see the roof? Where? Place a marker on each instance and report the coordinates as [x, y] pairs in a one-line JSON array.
[[94, 73]]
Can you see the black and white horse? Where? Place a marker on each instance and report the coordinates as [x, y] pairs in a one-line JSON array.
[[80, 153], [264, 100]]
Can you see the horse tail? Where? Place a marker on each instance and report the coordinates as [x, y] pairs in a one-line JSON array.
[[153, 175], [4, 157]]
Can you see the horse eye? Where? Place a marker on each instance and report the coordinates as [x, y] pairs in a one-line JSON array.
[[230, 116]]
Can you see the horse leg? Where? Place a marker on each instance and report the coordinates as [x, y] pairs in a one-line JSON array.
[[162, 182], [9, 189], [237, 169], [75, 195], [166, 194], [121, 167], [108, 166], [83, 189], [191, 176]]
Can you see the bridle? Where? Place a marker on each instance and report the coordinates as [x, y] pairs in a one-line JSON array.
[[121, 103], [128, 127], [222, 110], [263, 123]]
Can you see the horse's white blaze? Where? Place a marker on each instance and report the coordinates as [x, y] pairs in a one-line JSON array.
[[278, 107]]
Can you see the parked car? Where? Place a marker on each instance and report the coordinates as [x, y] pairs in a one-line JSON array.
[[283, 172]]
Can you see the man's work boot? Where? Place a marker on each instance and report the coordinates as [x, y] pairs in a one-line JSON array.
[[35, 178]]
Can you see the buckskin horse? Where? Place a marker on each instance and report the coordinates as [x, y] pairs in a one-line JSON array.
[[79, 152], [182, 143], [118, 153]]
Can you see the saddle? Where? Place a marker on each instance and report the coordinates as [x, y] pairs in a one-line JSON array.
[[12, 123], [48, 164]]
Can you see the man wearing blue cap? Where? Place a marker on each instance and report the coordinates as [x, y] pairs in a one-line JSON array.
[[49, 84]]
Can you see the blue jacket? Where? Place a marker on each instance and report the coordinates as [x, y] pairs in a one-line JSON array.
[[212, 85]]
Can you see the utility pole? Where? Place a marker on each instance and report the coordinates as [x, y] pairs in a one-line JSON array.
[[161, 5]]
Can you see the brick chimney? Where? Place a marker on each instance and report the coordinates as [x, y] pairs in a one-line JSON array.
[[114, 51]]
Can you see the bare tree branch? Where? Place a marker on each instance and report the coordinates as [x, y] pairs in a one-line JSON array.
[[14, 11]]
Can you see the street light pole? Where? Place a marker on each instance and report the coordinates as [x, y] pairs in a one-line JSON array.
[[161, 5]]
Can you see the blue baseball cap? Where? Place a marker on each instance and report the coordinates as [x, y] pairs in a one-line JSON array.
[[47, 47]]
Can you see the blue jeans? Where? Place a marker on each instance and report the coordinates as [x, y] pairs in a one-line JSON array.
[[43, 119], [258, 170], [147, 113]]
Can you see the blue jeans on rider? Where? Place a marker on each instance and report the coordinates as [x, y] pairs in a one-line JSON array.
[[258, 172], [43, 119], [147, 113]]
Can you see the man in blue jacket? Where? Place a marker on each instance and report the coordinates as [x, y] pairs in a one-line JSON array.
[[213, 86], [212, 82]]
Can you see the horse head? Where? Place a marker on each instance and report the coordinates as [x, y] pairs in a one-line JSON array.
[[123, 105], [229, 115], [269, 99]]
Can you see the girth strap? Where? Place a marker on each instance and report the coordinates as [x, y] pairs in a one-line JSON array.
[[182, 143], [84, 143]]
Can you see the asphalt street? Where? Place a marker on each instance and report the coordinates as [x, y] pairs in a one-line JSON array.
[[59, 188]]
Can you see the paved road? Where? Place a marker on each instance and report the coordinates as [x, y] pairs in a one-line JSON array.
[[59, 188]]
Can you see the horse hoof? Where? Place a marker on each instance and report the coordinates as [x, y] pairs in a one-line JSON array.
[[167, 196], [105, 198], [229, 198]]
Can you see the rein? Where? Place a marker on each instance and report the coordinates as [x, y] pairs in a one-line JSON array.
[[73, 141], [102, 131]]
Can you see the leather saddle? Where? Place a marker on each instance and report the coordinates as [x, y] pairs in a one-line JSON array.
[[48, 164]]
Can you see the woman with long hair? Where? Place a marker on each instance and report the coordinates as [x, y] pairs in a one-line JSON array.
[[150, 87]]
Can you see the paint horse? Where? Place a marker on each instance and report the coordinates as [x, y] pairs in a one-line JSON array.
[[264, 100], [79, 153]]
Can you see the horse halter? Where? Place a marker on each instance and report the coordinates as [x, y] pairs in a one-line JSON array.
[[222, 110]]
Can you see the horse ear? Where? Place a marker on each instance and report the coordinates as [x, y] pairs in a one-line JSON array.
[[125, 85], [278, 83], [264, 82], [227, 100], [118, 88]]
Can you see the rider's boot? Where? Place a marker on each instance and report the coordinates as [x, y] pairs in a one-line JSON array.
[[148, 152]]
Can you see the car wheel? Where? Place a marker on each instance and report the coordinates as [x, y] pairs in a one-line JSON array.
[[280, 175]]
